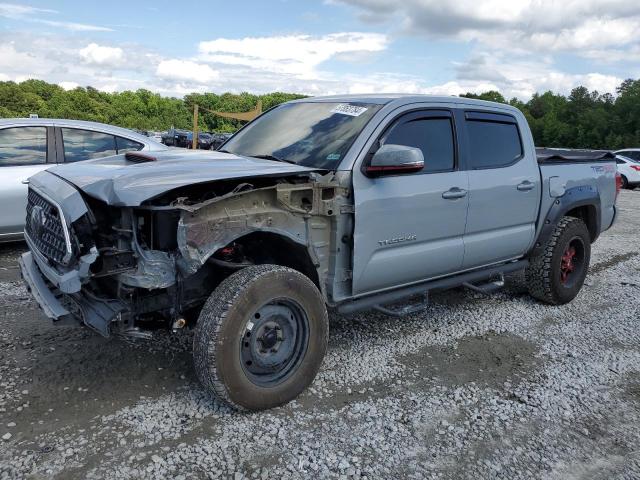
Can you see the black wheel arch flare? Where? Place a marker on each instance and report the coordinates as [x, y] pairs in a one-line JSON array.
[[572, 200]]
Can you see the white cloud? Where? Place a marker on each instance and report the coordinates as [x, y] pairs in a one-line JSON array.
[[101, 55], [12, 10], [32, 14], [73, 26], [543, 25], [293, 54], [68, 85], [522, 77], [186, 70], [297, 64]]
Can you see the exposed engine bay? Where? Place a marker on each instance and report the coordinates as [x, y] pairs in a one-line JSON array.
[[156, 264]]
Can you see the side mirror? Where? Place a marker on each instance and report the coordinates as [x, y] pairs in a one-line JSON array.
[[394, 159]]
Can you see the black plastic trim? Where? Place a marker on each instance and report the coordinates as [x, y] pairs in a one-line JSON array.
[[371, 301], [489, 117], [583, 196]]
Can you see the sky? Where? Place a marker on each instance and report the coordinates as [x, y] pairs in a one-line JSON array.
[[517, 47]]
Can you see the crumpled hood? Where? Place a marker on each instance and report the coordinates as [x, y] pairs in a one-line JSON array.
[[120, 182]]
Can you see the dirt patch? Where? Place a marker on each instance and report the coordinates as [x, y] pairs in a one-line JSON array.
[[489, 360], [68, 374], [611, 262]]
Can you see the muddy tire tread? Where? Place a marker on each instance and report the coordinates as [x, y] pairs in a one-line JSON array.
[[214, 314]]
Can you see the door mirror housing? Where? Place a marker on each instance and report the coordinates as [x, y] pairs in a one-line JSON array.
[[395, 159]]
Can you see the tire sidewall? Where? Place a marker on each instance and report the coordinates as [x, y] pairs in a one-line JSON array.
[[280, 283], [563, 293]]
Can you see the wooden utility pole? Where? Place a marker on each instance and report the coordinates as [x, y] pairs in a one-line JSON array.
[[194, 143]]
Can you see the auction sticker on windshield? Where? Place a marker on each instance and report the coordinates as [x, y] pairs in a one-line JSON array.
[[351, 110]]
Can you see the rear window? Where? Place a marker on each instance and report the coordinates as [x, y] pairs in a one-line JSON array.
[[633, 155], [85, 144], [23, 146], [126, 145], [493, 144]]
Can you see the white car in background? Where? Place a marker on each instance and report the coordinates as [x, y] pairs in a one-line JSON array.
[[28, 145], [629, 169]]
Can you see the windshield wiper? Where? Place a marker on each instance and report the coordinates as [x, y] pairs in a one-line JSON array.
[[272, 157]]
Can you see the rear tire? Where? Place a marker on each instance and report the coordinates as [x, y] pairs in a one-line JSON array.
[[555, 276], [261, 337], [625, 182]]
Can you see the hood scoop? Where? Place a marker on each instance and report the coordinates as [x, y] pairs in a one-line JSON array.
[[137, 157]]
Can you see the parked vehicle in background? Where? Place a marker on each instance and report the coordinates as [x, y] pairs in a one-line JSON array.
[[204, 140], [30, 145], [348, 202], [175, 138], [629, 170], [632, 153], [186, 141], [218, 139]]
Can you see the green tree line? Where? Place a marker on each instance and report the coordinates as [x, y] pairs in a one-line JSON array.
[[582, 119]]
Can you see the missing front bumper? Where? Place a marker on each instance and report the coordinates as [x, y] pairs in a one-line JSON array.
[[96, 313]]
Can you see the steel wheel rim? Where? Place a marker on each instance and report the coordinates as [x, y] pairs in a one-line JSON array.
[[274, 341]]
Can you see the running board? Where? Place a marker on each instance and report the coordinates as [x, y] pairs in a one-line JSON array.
[[377, 301], [486, 288], [406, 310]]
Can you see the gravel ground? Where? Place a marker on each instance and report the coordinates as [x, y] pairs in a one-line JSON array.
[[475, 387]]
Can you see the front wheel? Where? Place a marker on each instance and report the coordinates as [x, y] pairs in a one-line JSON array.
[[261, 337], [556, 275]]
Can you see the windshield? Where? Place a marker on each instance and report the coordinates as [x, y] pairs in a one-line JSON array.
[[313, 134]]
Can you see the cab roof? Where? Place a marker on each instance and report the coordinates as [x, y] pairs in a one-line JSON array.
[[400, 99]]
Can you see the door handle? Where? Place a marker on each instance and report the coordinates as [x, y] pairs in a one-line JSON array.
[[25, 182], [526, 186], [454, 193]]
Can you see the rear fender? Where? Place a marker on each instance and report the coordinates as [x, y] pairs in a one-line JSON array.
[[573, 198]]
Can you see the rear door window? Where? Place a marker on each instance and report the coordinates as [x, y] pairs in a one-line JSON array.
[[494, 140], [125, 145], [85, 144], [23, 146]]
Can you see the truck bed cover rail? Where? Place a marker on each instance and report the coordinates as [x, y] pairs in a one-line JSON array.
[[568, 155]]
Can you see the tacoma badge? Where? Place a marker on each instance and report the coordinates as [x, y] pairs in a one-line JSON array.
[[391, 241]]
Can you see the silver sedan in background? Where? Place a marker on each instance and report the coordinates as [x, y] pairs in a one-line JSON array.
[[28, 145]]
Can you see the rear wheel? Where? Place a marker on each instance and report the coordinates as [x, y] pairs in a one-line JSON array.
[[624, 182], [261, 337], [556, 275]]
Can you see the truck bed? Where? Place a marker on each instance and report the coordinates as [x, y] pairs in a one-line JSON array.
[[567, 155]]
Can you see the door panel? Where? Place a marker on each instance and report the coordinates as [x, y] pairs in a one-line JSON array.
[[24, 151], [405, 231], [13, 196], [503, 200], [410, 227]]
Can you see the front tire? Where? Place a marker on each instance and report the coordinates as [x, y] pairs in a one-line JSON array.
[[555, 276], [261, 337]]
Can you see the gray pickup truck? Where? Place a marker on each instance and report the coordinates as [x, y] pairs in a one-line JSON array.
[[346, 203]]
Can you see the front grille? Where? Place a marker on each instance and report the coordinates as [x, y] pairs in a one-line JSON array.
[[45, 228]]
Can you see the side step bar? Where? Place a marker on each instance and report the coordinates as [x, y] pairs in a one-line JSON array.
[[464, 279], [488, 287]]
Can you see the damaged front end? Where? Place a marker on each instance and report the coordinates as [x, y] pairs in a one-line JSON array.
[[131, 268]]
